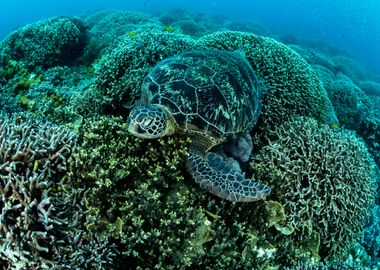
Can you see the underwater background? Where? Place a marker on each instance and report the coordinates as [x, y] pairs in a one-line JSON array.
[[78, 191]]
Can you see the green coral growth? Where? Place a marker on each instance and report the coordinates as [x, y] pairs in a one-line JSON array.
[[140, 195]]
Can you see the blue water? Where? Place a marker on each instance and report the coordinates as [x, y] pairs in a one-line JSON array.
[[349, 24]]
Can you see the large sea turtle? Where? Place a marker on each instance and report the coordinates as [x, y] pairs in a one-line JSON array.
[[214, 97]]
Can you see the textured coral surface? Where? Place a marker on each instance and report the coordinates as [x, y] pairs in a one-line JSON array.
[[77, 191]]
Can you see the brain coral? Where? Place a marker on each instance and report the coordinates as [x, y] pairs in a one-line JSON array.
[[49, 42], [324, 178]]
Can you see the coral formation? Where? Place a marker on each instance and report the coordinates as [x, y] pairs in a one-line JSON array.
[[285, 72], [324, 178], [33, 161], [354, 109], [322, 266], [49, 42], [294, 88], [127, 64], [371, 235], [371, 88], [106, 26], [140, 195], [124, 201]]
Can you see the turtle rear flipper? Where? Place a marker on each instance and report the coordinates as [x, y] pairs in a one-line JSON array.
[[223, 178]]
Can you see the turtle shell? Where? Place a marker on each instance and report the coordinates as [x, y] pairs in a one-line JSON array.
[[215, 92]]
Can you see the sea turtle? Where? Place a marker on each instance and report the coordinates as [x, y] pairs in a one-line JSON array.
[[214, 97]]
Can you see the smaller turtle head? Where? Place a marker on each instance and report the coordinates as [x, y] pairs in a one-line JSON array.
[[151, 122]]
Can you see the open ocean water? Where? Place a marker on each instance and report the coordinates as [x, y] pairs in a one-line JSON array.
[[190, 134]]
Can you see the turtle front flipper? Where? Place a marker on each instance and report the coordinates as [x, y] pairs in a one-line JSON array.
[[223, 178]]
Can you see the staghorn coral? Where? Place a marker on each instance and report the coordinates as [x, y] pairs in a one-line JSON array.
[[42, 217], [324, 179], [54, 41], [33, 160]]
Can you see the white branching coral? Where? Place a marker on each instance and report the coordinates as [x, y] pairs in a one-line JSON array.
[[33, 161]]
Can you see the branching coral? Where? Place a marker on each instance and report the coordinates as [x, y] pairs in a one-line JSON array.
[[294, 88], [53, 41], [33, 158], [354, 109], [324, 179], [140, 196], [371, 234], [125, 67]]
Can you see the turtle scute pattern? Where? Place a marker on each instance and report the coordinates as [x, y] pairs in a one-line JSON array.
[[208, 90]]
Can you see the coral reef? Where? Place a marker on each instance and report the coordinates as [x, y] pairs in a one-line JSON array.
[[371, 235], [248, 27], [140, 195], [324, 178], [59, 96], [192, 24], [285, 72], [123, 70], [370, 88], [106, 26], [102, 199], [354, 109], [49, 42], [33, 161], [322, 266], [41, 221], [294, 88]]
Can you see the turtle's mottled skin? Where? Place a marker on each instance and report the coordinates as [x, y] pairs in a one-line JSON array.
[[213, 97]]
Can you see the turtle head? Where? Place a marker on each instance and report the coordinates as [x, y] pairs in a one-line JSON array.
[[151, 122]]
